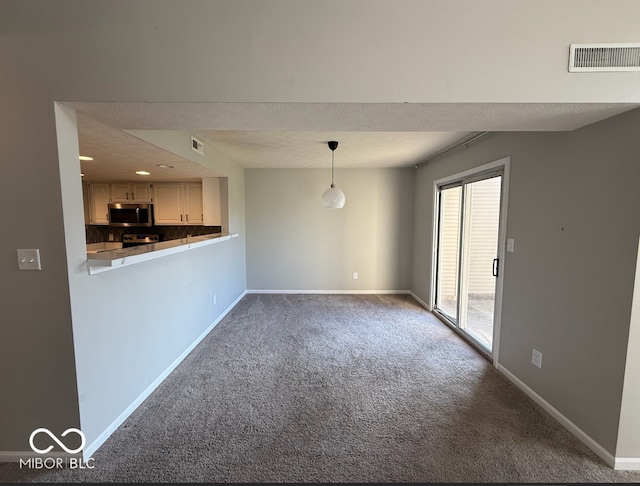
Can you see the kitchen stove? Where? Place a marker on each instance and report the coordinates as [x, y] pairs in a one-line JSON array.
[[136, 239]]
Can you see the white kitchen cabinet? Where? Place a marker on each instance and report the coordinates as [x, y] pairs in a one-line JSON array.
[[99, 198], [178, 203], [142, 192], [131, 192], [193, 210], [212, 201], [168, 203]]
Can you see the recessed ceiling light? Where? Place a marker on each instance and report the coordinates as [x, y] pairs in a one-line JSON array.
[[85, 157], [166, 166], [143, 172]]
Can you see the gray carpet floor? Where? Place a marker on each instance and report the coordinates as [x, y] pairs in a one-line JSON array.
[[336, 388]]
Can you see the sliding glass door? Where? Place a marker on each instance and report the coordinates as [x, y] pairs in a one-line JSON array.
[[467, 255]]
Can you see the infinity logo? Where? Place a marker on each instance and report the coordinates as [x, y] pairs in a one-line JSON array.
[[64, 434]]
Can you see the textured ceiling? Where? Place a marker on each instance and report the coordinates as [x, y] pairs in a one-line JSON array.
[[286, 135], [118, 155], [308, 150]]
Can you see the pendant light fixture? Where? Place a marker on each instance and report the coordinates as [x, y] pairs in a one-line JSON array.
[[333, 197]]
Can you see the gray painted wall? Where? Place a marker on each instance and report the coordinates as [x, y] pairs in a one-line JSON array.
[[238, 50], [293, 243], [353, 51], [37, 364], [573, 212]]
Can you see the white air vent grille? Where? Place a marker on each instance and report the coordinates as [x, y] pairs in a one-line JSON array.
[[197, 145], [604, 57]]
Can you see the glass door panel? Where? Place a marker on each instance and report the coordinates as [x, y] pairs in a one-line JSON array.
[[479, 258], [448, 252]]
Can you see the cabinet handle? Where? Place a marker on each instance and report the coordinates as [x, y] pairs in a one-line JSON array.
[[181, 217], [187, 217]]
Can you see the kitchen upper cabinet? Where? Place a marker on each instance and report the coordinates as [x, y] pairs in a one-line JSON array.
[[99, 198], [131, 192], [174, 203], [168, 203], [193, 210], [212, 201], [178, 203]]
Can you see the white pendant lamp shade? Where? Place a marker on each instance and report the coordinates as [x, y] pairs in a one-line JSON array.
[[333, 198]]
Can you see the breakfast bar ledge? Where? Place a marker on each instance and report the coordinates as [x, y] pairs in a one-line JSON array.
[[112, 259]]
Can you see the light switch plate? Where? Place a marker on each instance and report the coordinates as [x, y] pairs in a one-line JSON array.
[[536, 358], [510, 244], [29, 259]]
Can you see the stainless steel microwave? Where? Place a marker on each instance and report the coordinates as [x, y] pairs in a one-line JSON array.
[[130, 214]]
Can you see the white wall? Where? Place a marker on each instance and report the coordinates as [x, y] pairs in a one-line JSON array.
[[628, 436], [130, 325], [294, 243], [573, 212]]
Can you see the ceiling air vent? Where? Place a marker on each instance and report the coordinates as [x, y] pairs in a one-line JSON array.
[[604, 57], [197, 145]]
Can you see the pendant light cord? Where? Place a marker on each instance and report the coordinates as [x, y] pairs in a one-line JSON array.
[[333, 145], [332, 153]]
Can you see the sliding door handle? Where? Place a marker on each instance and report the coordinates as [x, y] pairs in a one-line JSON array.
[[496, 263]]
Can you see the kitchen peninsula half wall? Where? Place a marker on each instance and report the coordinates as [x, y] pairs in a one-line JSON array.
[[111, 259]]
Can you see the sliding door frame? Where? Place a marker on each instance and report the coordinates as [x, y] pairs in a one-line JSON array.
[[500, 164]]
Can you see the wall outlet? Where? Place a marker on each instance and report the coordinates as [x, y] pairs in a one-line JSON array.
[[536, 358], [110, 236], [355, 275], [511, 243]]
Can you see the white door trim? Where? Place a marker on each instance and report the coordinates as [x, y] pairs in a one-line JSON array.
[[504, 164]]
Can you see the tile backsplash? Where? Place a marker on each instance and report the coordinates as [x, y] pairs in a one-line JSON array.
[[99, 233]]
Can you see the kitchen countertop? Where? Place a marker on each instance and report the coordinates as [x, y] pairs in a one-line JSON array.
[[103, 246], [103, 260]]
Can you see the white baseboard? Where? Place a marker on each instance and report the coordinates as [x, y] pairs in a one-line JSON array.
[[420, 301], [93, 447], [345, 292], [627, 463], [582, 436]]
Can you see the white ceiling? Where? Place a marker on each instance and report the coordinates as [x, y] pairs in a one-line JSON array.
[[284, 149], [295, 135], [118, 155]]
